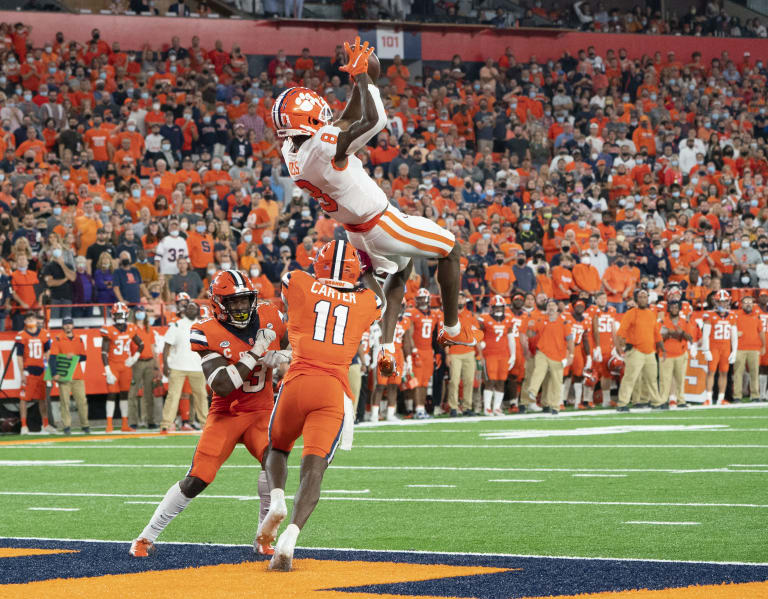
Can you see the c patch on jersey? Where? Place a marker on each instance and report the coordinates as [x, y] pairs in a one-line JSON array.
[[224, 344], [51, 569]]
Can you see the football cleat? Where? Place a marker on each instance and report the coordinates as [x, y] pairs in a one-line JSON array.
[[260, 549], [187, 427], [387, 364], [142, 548], [24, 430], [488, 412], [267, 531], [465, 337], [109, 428], [498, 412], [282, 560], [127, 428], [50, 430]]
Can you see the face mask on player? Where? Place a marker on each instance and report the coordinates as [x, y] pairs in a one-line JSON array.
[[120, 322]]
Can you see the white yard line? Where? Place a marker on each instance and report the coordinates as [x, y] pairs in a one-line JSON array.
[[420, 468], [662, 523], [431, 486], [54, 509], [435, 446], [748, 465], [347, 491], [40, 462], [140, 502], [515, 480], [412, 500], [601, 475], [414, 552]]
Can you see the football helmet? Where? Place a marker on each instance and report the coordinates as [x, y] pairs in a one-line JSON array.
[[590, 378], [233, 298], [498, 306], [616, 366], [722, 300], [120, 314], [300, 111], [423, 298], [182, 299], [337, 265]]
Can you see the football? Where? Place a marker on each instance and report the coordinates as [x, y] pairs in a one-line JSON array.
[[374, 68]]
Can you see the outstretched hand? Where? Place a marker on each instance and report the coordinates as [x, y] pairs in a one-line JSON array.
[[357, 57]]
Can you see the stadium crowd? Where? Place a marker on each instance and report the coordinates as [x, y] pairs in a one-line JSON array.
[[133, 175]]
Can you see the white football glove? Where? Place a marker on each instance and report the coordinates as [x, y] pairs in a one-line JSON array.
[[693, 351], [273, 358], [588, 365], [111, 378], [732, 358], [132, 360], [511, 362], [707, 356], [263, 338], [597, 354]]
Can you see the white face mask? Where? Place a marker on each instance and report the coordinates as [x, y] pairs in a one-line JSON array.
[[255, 272], [266, 239], [225, 266]]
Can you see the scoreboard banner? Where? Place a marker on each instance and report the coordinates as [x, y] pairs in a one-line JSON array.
[[92, 368]]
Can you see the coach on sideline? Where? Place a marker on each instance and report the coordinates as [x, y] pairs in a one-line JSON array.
[[639, 340], [554, 352]]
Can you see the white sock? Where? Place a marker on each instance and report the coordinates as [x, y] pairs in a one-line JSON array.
[[487, 399], [390, 411], [287, 541], [452, 331], [56, 411], [421, 410], [763, 378], [389, 347], [566, 389], [265, 498], [374, 413], [578, 389], [124, 408], [589, 394], [277, 495], [110, 408], [720, 397], [171, 506], [498, 397], [409, 405]]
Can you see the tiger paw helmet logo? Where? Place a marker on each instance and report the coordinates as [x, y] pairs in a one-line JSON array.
[[307, 102]]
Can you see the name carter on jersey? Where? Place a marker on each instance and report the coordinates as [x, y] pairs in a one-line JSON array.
[[330, 292]]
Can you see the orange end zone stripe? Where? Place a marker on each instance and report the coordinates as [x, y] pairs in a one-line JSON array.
[[427, 234], [44, 439], [416, 244], [26, 551], [309, 579]]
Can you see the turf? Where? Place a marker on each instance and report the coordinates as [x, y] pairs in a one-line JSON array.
[[715, 477]]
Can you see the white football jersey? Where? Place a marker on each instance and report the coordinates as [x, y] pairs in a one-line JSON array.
[[347, 195], [168, 252]]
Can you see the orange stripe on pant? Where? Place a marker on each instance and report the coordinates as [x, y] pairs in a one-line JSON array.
[[409, 229], [416, 244]]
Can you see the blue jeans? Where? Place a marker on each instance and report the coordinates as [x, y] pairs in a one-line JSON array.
[[61, 312], [620, 307]]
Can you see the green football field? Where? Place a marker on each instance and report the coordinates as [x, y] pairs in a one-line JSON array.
[[677, 485]]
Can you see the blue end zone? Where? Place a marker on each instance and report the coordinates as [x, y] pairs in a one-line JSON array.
[[528, 576]]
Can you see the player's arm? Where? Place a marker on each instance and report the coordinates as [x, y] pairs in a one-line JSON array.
[[18, 358], [135, 356], [373, 119], [105, 345], [224, 378], [512, 344], [585, 344]]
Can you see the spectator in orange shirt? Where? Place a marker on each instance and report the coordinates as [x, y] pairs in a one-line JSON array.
[[23, 281], [304, 62], [585, 276], [398, 74], [562, 278], [500, 277], [617, 283], [750, 346]]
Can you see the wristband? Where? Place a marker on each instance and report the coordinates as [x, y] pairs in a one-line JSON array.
[[248, 360]]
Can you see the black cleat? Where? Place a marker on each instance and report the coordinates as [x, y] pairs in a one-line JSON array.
[[622, 409], [683, 405], [87, 430], [663, 406], [522, 409], [454, 413], [546, 409], [554, 412], [469, 412]]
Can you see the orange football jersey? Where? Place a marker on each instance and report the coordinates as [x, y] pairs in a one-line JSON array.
[[496, 334], [231, 343], [606, 323], [120, 342], [325, 325], [720, 326], [423, 328], [578, 328], [32, 347]]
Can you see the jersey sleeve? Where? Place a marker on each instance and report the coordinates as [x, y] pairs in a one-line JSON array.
[[198, 340], [18, 345], [104, 332]]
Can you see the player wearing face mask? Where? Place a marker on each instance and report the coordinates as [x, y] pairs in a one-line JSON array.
[[200, 247], [144, 371]]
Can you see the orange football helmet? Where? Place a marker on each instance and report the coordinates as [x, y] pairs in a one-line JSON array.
[[182, 296], [616, 366], [337, 265], [423, 298], [227, 290], [300, 111]]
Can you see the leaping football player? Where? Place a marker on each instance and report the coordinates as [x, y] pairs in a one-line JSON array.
[[320, 155], [327, 316], [239, 347]]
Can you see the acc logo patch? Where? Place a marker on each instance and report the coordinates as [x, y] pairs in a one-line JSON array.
[[224, 344], [269, 325], [68, 568]]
